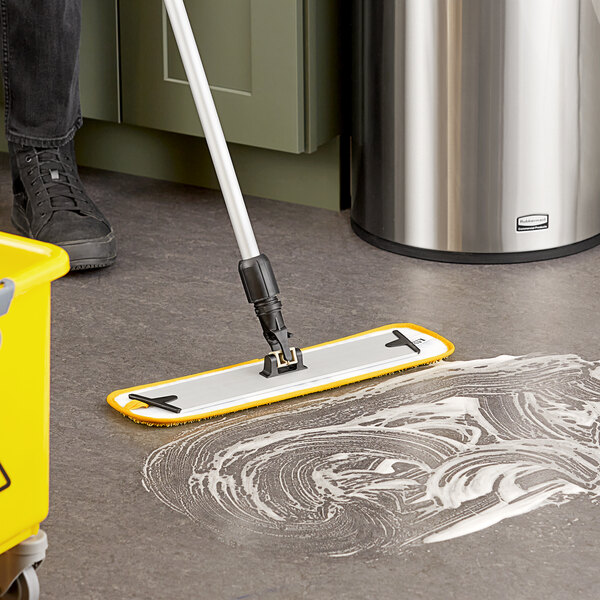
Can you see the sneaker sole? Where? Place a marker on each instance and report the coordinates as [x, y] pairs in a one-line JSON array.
[[83, 254]]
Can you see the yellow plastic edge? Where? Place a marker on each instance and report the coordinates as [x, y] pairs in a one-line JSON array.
[[111, 399], [53, 262], [20, 537]]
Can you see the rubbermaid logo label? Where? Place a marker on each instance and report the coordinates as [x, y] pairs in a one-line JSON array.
[[533, 222], [4, 479]]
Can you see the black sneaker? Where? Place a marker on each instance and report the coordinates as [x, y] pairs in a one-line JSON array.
[[51, 205]]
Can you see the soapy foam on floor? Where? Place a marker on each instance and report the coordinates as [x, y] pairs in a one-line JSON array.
[[420, 457]]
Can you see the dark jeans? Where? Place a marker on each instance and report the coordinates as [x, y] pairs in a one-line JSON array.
[[40, 60]]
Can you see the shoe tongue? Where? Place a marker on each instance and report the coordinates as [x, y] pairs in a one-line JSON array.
[[59, 198], [62, 202]]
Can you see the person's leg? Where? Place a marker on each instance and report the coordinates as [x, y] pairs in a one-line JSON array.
[[41, 71], [40, 45]]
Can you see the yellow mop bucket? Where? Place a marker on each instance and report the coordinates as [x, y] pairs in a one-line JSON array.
[[27, 268]]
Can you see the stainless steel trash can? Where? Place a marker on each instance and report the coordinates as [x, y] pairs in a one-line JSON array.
[[476, 127]]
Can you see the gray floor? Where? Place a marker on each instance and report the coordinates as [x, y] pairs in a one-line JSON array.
[[173, 306]]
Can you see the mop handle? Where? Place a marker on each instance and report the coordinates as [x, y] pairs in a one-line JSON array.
[[213, 131]]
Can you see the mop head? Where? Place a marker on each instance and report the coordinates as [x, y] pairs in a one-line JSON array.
[[373, 353]]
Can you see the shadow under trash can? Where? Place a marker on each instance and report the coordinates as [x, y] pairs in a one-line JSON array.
[[476, 128]]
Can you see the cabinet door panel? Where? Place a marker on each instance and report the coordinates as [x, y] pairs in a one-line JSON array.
[[99, 72], [227, 58], [253, 55]]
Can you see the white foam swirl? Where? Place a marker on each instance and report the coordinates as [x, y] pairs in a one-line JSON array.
[[424, 456]]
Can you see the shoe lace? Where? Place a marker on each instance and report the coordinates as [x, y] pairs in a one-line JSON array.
[[57, 177]]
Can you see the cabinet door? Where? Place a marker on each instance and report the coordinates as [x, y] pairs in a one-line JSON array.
[[253, 55], [99, 72]]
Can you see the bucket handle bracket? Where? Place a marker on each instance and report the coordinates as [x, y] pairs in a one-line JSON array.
[[7, 292]]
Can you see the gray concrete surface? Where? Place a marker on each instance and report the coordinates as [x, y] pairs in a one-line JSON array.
[[173, 305]]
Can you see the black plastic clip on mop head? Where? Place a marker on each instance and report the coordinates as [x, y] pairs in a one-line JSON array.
[[261, 290]]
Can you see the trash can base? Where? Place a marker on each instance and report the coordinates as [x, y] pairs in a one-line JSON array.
[[475, 258]]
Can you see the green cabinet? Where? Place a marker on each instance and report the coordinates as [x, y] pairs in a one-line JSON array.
[[273, 66], [99, 79], [260, 58], [274, 69], [251, 50]]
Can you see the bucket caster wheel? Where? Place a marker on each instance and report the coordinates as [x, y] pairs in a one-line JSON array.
[[18, 577], [25, 587]]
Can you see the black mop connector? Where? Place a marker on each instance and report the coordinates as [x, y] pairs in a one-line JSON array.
[[261, 290]]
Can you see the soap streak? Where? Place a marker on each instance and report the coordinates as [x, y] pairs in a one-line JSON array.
[[422, 457]]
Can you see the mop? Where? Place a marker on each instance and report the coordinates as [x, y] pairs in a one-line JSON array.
[[286, 371]]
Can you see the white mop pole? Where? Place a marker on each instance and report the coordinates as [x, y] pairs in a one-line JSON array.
[[213, 131]]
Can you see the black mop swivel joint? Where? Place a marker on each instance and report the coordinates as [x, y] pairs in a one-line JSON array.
[[261, 290]]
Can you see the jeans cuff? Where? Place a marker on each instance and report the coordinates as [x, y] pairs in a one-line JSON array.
[[45, 142]]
